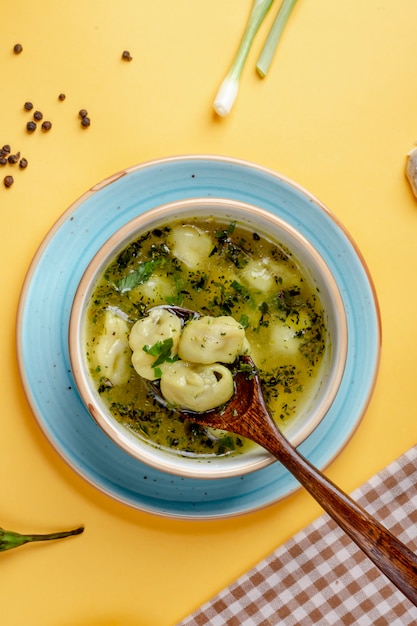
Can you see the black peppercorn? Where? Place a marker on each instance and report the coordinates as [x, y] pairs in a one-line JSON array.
[[30, 127], [8, 181], [85, 122], [23, 163], [6, 149], [14, 158], [28, 106], [3, 160], [46, 125], [126, 55], [83, 113], [61, 97], [37, 116], [17, 48]]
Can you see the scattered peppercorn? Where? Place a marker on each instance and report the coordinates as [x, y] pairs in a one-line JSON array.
[[126, 55], [17, 49], [9, 158], [6, 157], [13, 158]]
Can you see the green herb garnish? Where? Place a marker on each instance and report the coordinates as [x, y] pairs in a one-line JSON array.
[[239, 288], [139, 276], [244, 320], [162, 351]]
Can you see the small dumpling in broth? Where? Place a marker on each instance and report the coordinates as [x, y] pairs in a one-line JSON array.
[[260, 274], [156, 289], [158, 326], [111, 355], [212, 339], [197, 387], [191, 245], [284, 340]]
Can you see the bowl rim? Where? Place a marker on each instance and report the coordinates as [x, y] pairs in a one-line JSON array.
[[128, 441]]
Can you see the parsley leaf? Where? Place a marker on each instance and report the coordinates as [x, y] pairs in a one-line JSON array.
[[140, 275], [162, 351]]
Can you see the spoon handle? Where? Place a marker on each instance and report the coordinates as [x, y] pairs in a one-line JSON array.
[[248, 416], [387, 552]]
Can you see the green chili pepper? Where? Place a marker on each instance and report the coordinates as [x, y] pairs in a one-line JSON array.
[[10, 539]]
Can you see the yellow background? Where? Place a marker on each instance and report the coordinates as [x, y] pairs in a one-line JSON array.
[[337, 113]]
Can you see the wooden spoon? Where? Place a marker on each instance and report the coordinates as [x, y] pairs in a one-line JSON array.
[[247, 415]]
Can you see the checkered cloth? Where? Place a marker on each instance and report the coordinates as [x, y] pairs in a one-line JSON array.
[[320, 577]]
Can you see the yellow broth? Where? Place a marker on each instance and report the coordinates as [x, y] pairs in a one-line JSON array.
[[242, 274]]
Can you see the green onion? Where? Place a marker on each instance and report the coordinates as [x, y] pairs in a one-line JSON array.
[[274, 36], [229, 88]]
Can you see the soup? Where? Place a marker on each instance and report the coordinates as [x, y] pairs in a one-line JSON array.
[[219, 269]]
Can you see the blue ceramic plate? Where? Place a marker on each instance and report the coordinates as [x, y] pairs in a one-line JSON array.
[[46, 304]]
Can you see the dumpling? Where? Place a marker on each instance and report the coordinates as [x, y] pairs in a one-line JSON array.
[[191, 245], [260, 274], [156, 289], [196, 387], [212, 339], [158, 326], [284, 340], [112, 354]]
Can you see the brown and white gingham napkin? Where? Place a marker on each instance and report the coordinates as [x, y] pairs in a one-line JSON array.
[[319, 576]]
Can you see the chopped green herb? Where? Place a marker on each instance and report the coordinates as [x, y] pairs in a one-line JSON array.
[[177, 298], [143, 272], [244, 320], [239, 288], [226, 444], [162, 350]]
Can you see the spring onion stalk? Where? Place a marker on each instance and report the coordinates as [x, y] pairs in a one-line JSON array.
[[274, 36], [10, 539], [229, 88]]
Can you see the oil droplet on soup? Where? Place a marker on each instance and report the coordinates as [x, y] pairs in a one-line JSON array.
[[216, 269]]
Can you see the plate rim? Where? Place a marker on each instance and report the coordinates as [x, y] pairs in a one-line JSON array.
[[155, 163]]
